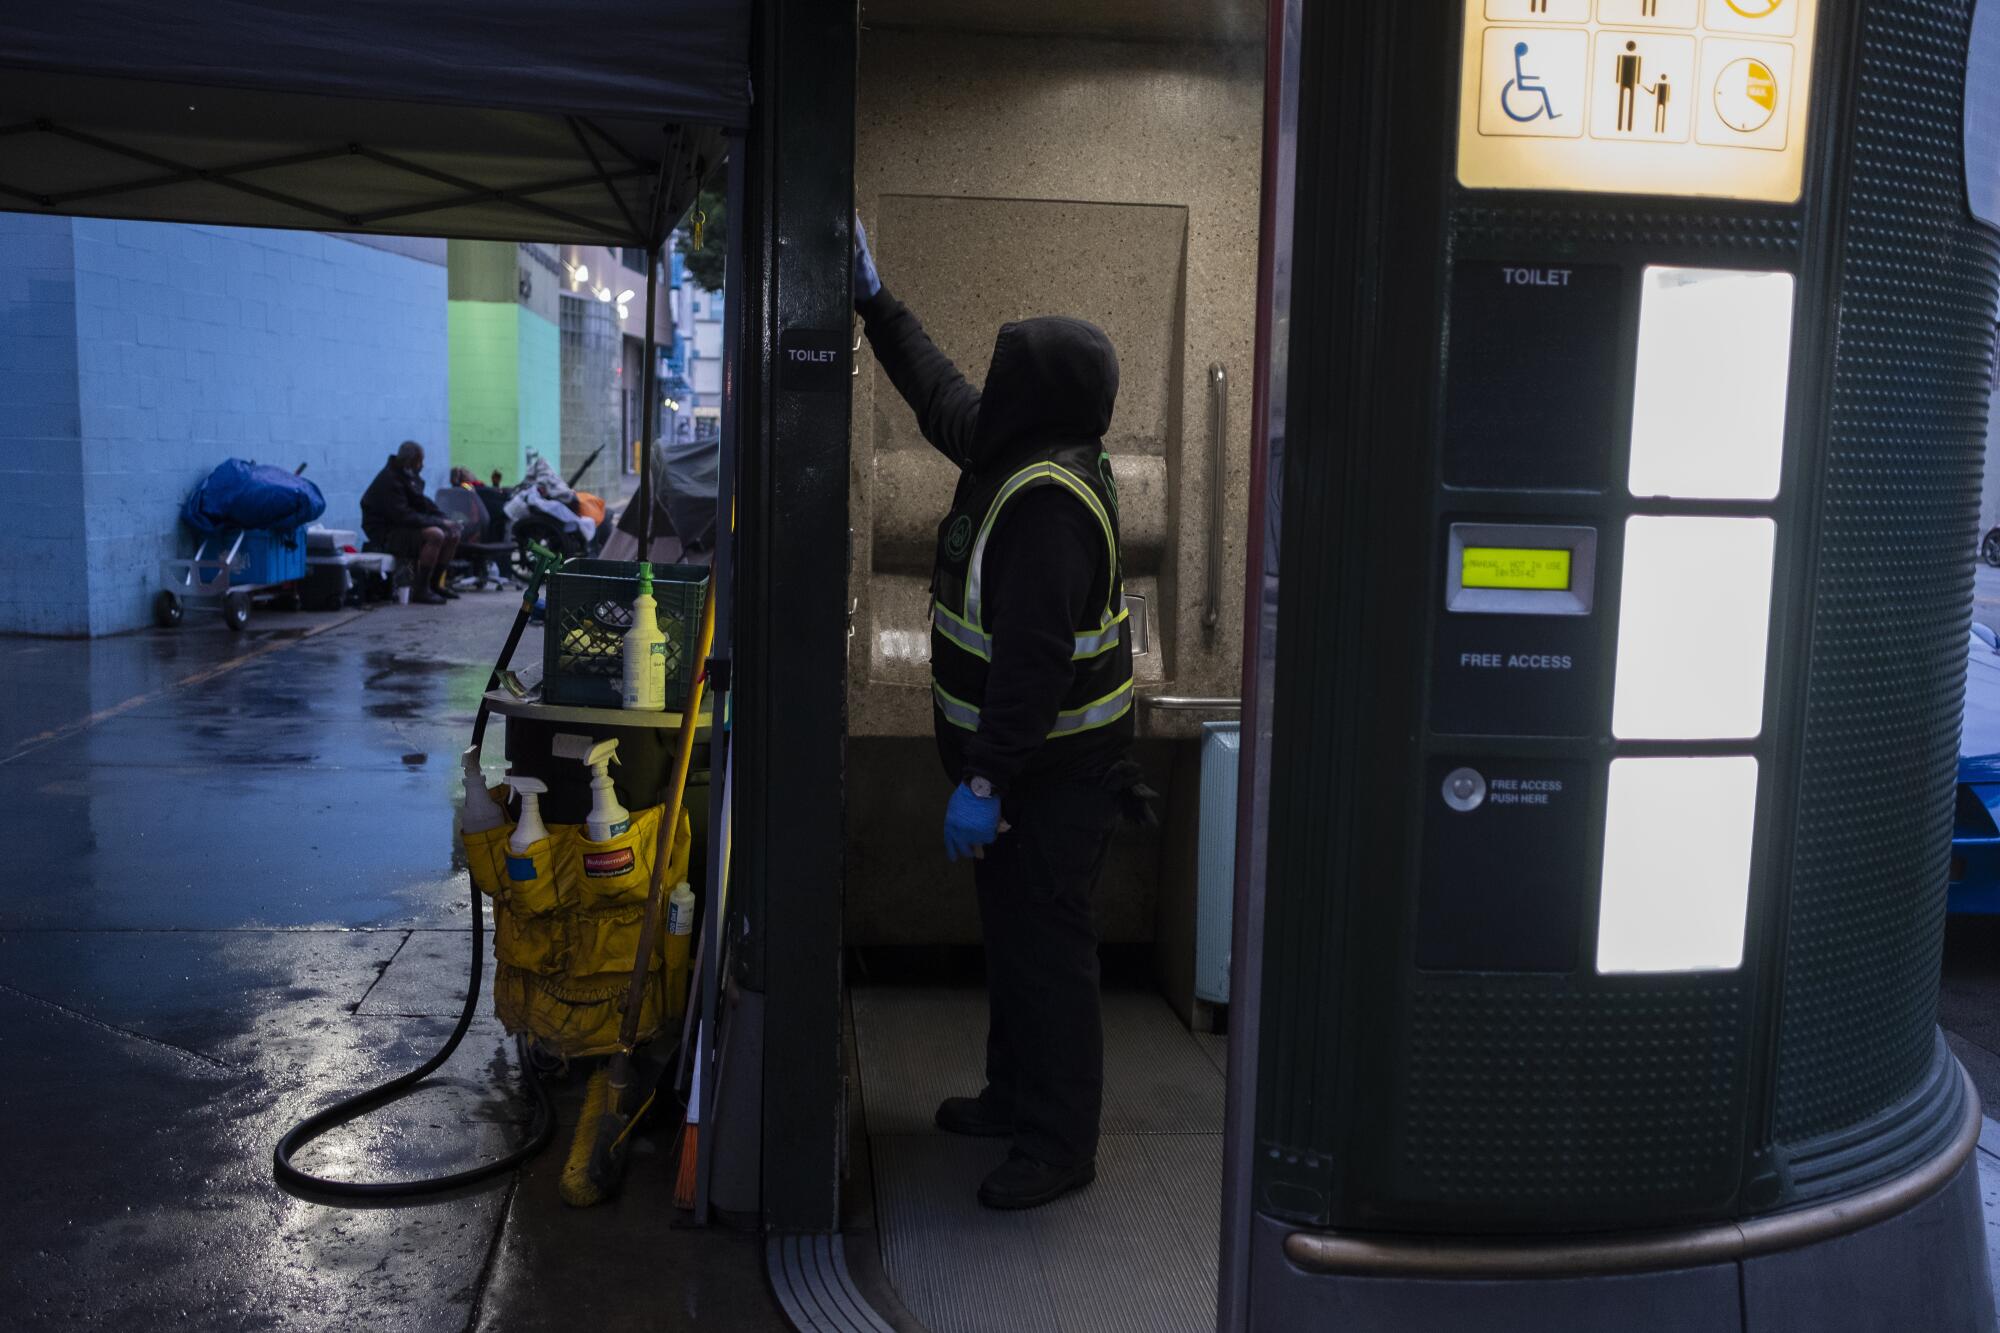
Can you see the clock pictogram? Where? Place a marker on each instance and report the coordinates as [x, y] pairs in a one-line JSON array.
[[1746, 95]]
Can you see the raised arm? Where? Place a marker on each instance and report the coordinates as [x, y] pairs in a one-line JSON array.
[[947, 407]]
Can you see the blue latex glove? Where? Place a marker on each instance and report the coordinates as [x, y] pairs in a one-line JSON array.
[[970, 822], [867, 282]]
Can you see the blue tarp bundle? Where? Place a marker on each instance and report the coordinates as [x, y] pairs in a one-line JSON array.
[[252, 495]]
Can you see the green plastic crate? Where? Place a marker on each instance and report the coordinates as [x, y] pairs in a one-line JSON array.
[[589, 608]]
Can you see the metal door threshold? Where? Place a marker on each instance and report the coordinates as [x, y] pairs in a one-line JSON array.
[[809, 1275]]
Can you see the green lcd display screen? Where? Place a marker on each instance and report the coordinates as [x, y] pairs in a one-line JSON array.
[[1528, 568]]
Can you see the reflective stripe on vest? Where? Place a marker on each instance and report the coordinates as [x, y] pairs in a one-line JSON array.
[[980, 644], [1101, 691], [1028, 476], [1101, 712]]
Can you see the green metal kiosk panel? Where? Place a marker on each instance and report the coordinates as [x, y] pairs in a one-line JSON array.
[[1905, 434], [1449, 1051], [1593, 1103]]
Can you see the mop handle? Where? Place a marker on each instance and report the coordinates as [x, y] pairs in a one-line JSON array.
[[649, 934], [541, 562]]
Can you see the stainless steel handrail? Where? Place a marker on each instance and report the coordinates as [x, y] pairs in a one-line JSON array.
[[1192, 702], [1218, 437]]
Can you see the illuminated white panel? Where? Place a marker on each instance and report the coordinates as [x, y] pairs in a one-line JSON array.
[[1708, 413], [1645, 97], [1693, 620], [1676, 884]]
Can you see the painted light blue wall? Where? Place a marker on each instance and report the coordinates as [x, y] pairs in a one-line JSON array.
[[40, 438], [540, 382], [196, 344]]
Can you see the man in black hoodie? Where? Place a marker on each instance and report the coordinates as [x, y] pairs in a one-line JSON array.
[[1031, 673], [399, 518]]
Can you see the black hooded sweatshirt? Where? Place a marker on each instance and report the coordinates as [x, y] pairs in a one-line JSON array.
[[396, 499], [1051, 381]]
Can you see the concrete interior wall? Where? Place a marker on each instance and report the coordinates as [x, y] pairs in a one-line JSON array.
[[901, 890], [967, 266], [186, 346], [1004, 176]]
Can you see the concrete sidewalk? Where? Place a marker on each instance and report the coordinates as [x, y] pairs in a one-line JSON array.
[[234, 896]]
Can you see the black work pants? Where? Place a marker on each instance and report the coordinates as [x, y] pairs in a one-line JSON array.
[[1045, 1035]]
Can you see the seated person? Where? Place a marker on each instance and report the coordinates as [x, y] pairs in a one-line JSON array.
[[399, 518], [491, 498]]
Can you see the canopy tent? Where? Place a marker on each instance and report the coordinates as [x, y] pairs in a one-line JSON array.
[[591, 121]]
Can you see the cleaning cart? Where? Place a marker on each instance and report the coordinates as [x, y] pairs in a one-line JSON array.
[[589, 876], [586, 966]]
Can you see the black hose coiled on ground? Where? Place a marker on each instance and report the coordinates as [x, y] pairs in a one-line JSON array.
[[540, 1130]]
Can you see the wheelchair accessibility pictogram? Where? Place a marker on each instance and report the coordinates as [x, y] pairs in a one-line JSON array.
[[1527, 89]]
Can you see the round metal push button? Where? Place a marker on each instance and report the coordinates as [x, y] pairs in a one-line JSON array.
[[1464, 789]]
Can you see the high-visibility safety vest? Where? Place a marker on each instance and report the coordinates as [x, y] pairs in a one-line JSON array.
[[1100, 693]]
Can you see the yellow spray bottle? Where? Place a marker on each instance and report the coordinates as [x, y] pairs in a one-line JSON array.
[[680, 936]]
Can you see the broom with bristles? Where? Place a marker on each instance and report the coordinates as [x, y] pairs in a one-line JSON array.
[[596, 1161]]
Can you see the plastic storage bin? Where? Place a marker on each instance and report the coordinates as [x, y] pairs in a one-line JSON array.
[[271, 557], [589, 610]]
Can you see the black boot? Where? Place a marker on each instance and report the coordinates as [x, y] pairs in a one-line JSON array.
[[975, 1116], [1023, 1182]]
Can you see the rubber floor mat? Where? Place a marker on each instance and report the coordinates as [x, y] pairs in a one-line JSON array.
[[919, 1045], [1133, 1253]]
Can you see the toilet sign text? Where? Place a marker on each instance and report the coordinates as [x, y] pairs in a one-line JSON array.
[[813, 360]]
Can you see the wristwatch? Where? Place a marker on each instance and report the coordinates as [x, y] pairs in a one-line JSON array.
[[981, 788]]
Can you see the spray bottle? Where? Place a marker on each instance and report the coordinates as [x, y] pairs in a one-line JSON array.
[[680, 937], [480, 811], [530, 829], [645, 651], [607, 818]]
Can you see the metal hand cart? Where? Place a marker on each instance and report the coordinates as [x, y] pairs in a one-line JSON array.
[[219, 577]]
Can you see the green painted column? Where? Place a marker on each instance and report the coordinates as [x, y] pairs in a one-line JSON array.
[[505, 374]]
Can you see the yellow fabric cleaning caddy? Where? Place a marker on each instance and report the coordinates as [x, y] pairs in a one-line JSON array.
[[568, 916]]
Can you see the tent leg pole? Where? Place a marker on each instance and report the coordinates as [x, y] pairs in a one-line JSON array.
[[650, 412]]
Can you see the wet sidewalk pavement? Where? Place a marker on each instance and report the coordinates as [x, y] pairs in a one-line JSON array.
[[233, 898]]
